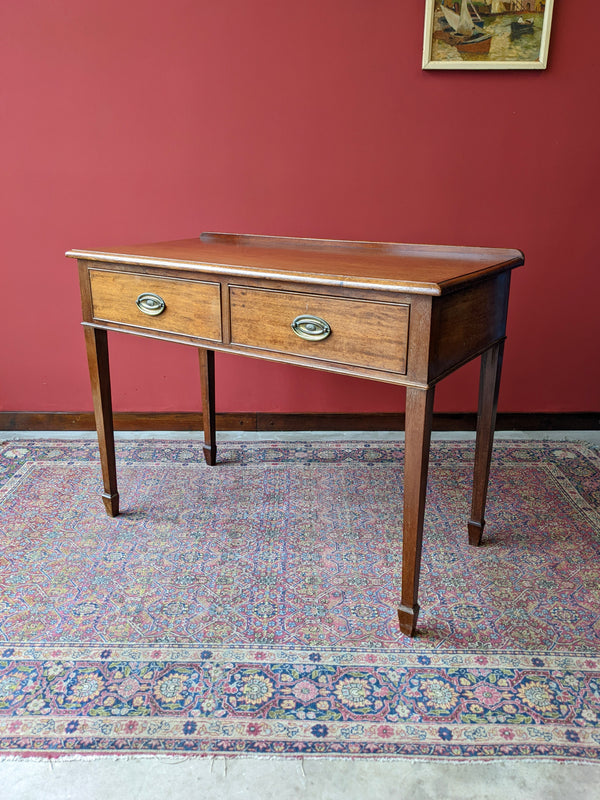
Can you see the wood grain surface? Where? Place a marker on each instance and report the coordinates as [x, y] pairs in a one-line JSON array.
[[424, 269], [192, 307], [363, 333]]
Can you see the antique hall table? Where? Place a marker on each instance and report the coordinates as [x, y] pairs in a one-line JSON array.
[[398, 313]]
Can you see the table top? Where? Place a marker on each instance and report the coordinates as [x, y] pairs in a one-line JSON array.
[[412, 268]]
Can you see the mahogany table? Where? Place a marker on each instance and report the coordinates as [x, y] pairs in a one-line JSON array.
[[398, 313]]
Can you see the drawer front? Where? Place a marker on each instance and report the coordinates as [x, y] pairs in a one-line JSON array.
[[362, 333], [190, 307]]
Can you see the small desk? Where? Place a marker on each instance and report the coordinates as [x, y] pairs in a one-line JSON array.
[[398, 313]]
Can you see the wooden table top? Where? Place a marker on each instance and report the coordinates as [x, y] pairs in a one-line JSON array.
[[412, 268]]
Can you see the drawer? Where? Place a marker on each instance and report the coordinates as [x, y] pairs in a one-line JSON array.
[[190, 307], [362, 333]]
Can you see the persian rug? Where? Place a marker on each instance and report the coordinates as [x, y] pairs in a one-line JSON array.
[[250, 607]]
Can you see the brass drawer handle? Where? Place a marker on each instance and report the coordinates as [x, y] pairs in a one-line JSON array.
[[150, 304], [313, 329]]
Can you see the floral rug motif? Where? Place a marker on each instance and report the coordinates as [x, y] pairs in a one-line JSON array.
[[251, 607]]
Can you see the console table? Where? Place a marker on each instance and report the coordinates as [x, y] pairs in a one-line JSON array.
[[398, 313]]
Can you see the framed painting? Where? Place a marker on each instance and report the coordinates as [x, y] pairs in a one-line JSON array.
[[487, 34]]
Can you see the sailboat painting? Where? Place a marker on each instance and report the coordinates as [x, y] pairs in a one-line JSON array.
[[487, 34]]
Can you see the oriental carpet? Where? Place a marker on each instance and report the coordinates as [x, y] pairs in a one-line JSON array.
[[250, 607]]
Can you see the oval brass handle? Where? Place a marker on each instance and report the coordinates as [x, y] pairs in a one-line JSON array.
[[313, 329], [150, 304]]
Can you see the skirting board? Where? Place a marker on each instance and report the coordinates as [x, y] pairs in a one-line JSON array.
[[190, 421]]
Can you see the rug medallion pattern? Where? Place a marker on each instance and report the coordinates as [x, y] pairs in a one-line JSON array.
[[250, 607]]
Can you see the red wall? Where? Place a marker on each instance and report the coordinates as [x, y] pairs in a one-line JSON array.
[[136, 121]]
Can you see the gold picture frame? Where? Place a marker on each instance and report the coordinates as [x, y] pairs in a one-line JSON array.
[[487, 34]]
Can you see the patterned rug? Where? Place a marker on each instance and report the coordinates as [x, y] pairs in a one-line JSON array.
[[250, 607]]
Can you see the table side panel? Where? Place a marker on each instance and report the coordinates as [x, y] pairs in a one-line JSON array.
[[467, 322], [364, 333]]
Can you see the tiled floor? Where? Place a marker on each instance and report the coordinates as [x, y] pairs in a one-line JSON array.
[[271, 779], [254, 778], [588, 436]]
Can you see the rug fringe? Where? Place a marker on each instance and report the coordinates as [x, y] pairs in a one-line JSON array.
[[174, 758]]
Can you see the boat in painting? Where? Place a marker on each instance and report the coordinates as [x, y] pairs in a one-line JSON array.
[[475, 44], [520, 26], [450, 18], [464, 30]]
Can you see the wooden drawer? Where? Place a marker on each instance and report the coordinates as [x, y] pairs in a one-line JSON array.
[[363, 333], [190, 307]]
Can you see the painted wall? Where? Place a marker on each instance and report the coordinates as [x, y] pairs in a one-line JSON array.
[[136, 121]]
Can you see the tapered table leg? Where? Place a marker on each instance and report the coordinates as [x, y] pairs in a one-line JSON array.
[[97, 352], [489, 385], [207, 380], [419, 412]]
